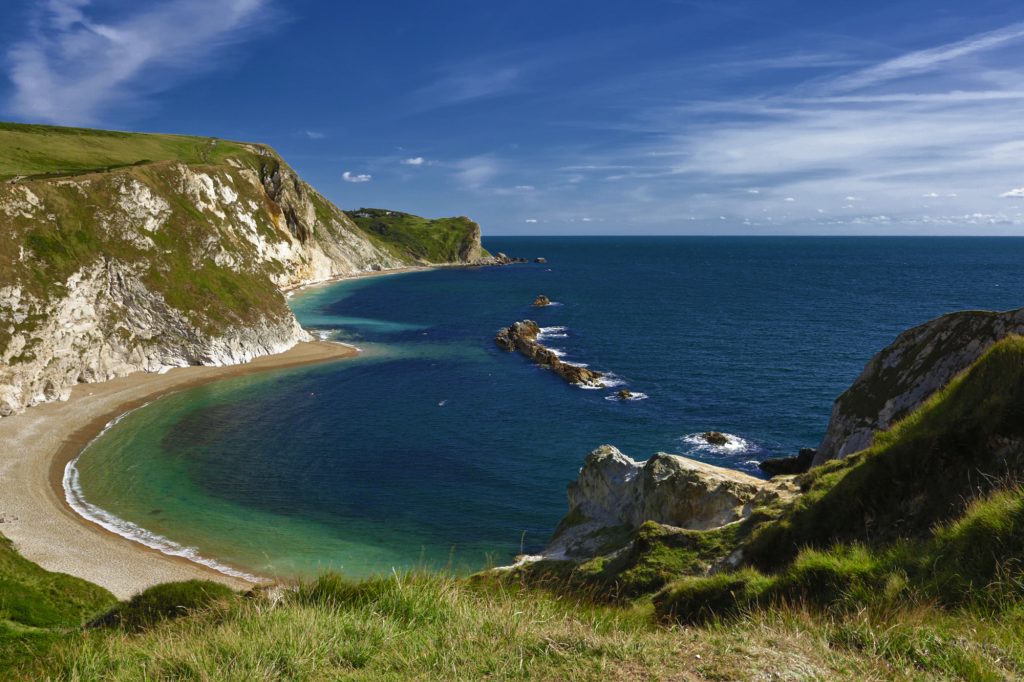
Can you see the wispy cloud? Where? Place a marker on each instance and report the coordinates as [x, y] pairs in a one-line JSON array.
[[349, 176], [923, 61], [935, 150], [468, 82], [414, 161], [476, 172], [315, 134], [74, 69]]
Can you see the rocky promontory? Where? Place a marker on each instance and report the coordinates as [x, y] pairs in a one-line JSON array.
[[523, 337], [613, 490], [901, 377]]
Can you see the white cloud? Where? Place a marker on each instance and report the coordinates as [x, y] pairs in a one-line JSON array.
[[1017, 193], [930, 195], [525, 188], [356, 177], [71, 68], [315, 135], [789, 200], [414, 161], [530, 220]]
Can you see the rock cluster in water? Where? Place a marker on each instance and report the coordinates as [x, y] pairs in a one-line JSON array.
[[522, 336], [541, 301], [501, 259]]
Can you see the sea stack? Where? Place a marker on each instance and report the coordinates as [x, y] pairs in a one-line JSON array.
[[541, 301]]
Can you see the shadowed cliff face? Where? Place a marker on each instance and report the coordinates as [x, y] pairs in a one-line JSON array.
[[155, 264], [904, 375]]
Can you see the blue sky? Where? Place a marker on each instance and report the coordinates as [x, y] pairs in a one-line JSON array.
[[598, 117]]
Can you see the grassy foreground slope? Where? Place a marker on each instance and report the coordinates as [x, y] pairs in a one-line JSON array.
[[37, 605]]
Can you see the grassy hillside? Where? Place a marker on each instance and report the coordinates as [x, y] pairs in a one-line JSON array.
[[36, 606], [443, 240], [34, 151]]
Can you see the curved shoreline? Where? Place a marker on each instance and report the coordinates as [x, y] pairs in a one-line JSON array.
[[37, 445]]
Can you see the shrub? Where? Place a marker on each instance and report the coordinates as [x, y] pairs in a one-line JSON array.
[[163, 602]]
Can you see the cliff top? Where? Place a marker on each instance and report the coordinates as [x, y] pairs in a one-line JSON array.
[[38, 151]]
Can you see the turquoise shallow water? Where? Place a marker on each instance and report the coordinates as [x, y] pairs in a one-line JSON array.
[[435, 448]]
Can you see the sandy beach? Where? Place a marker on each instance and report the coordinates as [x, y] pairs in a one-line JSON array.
[[36, 445]]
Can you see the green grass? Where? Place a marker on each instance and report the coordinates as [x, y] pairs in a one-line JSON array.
[[48, 151], [165, 602], [36, 605], [444, 240], [424, 626]]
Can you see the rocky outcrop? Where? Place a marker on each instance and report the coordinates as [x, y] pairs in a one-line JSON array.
[[904, 375], [502, 259], [523, 336], [541, 301], [613, 490], [162, 264], [788, 466]]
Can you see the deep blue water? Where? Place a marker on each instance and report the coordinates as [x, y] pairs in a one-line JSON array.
[[435, 445]]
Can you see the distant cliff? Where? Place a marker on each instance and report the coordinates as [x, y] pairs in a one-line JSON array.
[[122, 252]]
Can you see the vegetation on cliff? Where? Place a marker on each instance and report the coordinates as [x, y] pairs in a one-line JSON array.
[[442, 240]]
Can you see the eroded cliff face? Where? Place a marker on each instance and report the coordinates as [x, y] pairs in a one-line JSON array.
[[159, 265], [905, 374]]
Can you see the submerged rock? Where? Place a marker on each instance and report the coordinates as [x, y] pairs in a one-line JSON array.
[[784, 466], [541, 301], [522, 336], [540, 260], [624, 394], [715, 438]]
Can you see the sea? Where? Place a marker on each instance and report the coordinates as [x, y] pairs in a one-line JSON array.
[[436, 449]]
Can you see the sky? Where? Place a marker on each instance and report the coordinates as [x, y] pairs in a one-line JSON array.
[[570, 117]]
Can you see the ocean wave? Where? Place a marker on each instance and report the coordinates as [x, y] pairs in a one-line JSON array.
[[632, 396], [557, 352], [552, 333], [115, 524], [735, 445]]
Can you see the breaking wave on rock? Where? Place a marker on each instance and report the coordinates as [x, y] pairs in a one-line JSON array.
[[734, 445]]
